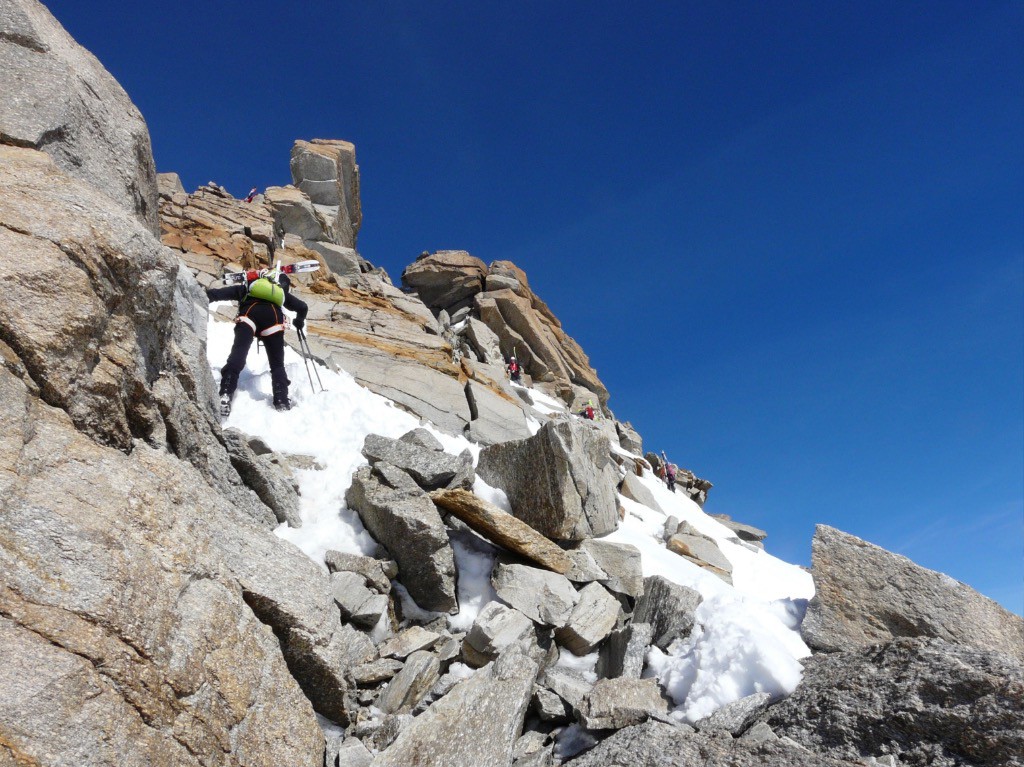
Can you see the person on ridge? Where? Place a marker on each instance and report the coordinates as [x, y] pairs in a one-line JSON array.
[[514, 371], [670, 472], [259, 314], [252, 194], [588, 411]]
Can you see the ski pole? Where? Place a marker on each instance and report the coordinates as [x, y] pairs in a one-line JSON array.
[[307, 355]]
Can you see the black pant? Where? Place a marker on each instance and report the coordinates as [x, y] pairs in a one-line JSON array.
[[264, 316]]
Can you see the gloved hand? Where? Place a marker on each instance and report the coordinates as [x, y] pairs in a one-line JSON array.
[[299, 323]]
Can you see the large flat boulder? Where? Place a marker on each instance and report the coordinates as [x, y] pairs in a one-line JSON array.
[[295, 214], [865, 595], [502, 528], [669, 609], [561, 481], [59, 99], [545, 597], [431, 468], [403, 519]]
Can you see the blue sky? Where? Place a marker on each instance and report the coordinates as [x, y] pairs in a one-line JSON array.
[[790, 236]]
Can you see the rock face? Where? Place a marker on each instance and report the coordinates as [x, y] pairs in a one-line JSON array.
[[867, 595], [59, 99], [668, 608], [922, 700], [561, 481]]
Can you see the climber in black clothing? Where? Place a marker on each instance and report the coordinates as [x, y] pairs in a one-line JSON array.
[[259, 314]]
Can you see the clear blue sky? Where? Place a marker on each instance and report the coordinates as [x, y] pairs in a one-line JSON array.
[[790, 236]]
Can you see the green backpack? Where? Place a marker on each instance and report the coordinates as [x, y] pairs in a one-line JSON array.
[[266, 290]]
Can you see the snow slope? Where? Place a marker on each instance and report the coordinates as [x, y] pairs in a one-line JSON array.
[[745, 639]]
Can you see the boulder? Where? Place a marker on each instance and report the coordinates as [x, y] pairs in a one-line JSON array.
[[655, 744], [352, 753], [561, 481], [485, 342], [744, 532], [371, 570], [375, 672], [342, 261], [629, 438], [264, 477], [356, 602], [423, 438], [867, 595], [625, 651], [668, 607], [405, 521], [444, 278], [567, 684], [549, 707], [326, 171], [620, 562], [502, 528], [637, 491], [419, 674], [616, 703], [496, 628], [432, 469], [592, 619], [168, 185], [60, 100], [545, 597], [922, 700], [475, 724]]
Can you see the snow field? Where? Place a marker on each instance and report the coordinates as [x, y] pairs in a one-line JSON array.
[[745, 638]]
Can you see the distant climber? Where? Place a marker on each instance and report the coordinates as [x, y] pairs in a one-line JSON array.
[[259, 315], [670, 472], [588, 411], [252, 194], [515, 372]]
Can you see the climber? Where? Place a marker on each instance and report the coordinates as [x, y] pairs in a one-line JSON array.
[[252, 194], [259, 314], [514, 371], [588, 410], [670, 472]]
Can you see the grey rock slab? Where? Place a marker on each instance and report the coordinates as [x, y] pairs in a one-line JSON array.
[[422, 438], [326, 170], [616, 703], [408, 525], [502, 528], [419, 674], [625, 651], [497, 627], [668, 608], [342, 261], [700, 548], [430, 468], [622, 564], [736, 717], [475, 724], [59, 99], [265, 478], [561, 481], [655, 744], [584, 568], [637, 491], [923, 700], [629, 438], [485, 341], [592, 619], [759, 732], [545, 597], [867, 595], [412, 639], [444, 278], [294, 213]]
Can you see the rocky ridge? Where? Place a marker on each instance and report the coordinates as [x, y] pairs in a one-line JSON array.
[[167, 624]]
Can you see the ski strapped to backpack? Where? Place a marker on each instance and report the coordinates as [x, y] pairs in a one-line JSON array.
[[242, 278]]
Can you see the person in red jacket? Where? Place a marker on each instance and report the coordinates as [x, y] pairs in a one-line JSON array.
[[259, 314]]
